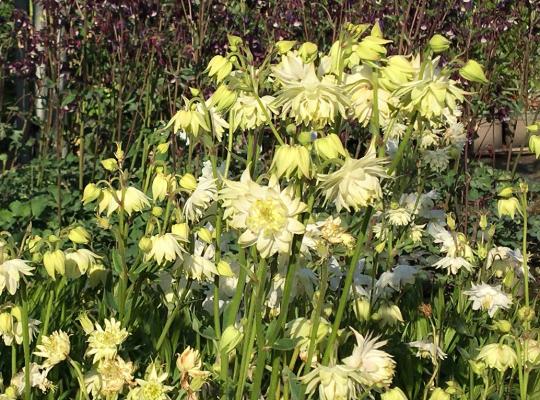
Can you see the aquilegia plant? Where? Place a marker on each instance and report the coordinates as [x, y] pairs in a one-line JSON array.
[[293, 247]]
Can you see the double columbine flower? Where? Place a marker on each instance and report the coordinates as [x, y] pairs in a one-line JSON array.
[[267, 215]]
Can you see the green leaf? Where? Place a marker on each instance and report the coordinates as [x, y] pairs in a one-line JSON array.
[[285, 344]]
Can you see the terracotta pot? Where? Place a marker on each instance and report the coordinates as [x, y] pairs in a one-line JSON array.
[[490, 136]]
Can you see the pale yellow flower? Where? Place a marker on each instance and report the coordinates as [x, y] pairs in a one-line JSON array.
[[489, 298], [103, 343], [266, 214], [134, 200], [165, 248], [498, 356], [247, 114], [333, 383], [151, 387], [356, 184], [110, 377], [200, 265], [79, 261], [310, 100], [55, 348]]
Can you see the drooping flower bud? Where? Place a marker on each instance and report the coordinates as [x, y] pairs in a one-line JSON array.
[[284, 46], [438, 43], [473, 71], [229, 339], [79, 235], [110, 164], [91, 192], [224, 269], [220, 67], [205, 235], [188, 182], [329, 147], [54, 262], [180, 230], [308, 52]]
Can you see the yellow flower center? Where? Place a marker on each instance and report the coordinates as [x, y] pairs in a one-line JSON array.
[[152, 391], [487, 301], [267, 217]]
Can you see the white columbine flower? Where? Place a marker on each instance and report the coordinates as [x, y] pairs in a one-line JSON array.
[[427, 348], [165, 247], [203, 195], [266, 214], [490, 298], [103, 343], [200, 265], [356, 183], [11, 272], [370, 366], [333, 383]]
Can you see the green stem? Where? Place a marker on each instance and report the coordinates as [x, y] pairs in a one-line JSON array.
[[347, 286], [316, 318], [80, 378], [26, 344], [524, 248]]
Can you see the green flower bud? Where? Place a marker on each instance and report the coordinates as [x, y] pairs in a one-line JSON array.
[[229, 339], [308, 52], [91, 192], [145, 244], [205, 235], [79, 235], [110, 164], [54, 262], [284, 46], [473, 71], [438, 43], [6, 323], [188, 182]]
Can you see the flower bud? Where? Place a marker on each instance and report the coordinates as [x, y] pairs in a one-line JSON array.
[[388, 315], [157, 211], [86, 323], [329, 147], [224, 269], [54, 262], [229, 339], [450, 221], [361, 309], [439, 394], [145, 244], [97, 274], [284, 46], [223, 98], [502, 326], [181, 230], [308, 52], [532, 355], [110, 164], [79, 235], [162, 148], [220, 67], [438, 43], [393, 394], [6, 323], [473, 71], [103, 222], [205, 235], [160, 185], [16, 312], [305, 138], [91, 192], [534, 145], [483, 222], [291, 159], [526, 314], [34, 243], [188, 182], [506, 192], [508, 207]]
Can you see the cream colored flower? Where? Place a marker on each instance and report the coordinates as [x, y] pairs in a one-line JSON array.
[[310, 100], [55, 348], [11, 272], [333, 383], [103, 343], [487, 297], [356, 184], [165, 248], [134, 200], [247, 114], [204, 194], [79, 261], [398, 216], [531, 352], [370, 366], [266, 214], [151, 387], [191, 375], [498, 356], [360, 89], [427, 348], [109, 378], [200, 265], [163, 185]]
